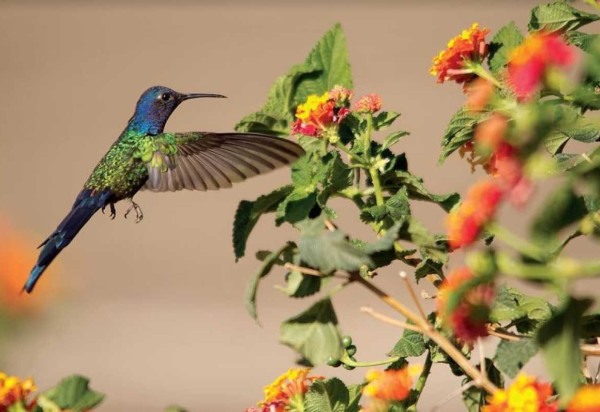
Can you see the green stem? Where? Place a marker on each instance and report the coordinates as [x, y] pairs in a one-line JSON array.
[[346, 359], [421, 382], [376, 186], [519, 244], [367, 136], [479, 70], [558, 271]]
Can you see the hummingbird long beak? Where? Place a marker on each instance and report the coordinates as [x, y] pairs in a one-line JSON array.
[[198, 95]]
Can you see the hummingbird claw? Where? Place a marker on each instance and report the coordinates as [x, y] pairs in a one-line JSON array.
[[138, 211], [113, 211]]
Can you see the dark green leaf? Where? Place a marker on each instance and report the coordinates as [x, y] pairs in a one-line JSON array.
[[511, 357], [410, 344], [327, 396], [73, 393], [507, 38], [384, 119], [559, 340], [355, 393], [582, 40], [460, 131], [393, 138], [314, 333], [557, 16], [300, 286], [417, 190], [475, 397], [329, 250], [252, 289], [248, 213]]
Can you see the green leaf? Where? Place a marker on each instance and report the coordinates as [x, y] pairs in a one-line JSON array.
[[559, 340], [384, 119], [269, 261], [393, 138], [506, 306], [561, 208], [410, 344], [396, 207], [327, 396], [460, 131], [300, 286], [511, 357], [417, 190], [582, 40], [329, 250], [314, 333], [526, 312], [175, 408], [248, 213], [355, 393], [73, 393], [505, 40], [326, 66], [557, 16]]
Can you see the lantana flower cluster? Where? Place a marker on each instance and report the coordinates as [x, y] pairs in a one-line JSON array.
[[525, 394], [14, 390], [468, 318], [286, 393], [320, 115], [384, 387]]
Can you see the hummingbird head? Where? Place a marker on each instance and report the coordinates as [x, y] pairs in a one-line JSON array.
[[156, 105]]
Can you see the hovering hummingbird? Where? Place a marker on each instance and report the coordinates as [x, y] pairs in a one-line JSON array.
[[143, 157]]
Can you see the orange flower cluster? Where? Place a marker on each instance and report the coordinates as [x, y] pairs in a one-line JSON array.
[[17, 255], [479, 207], [286, 391], [469, 46], [14, 390], [467, 320], [370, 103], [587, 399], [388, 386], [529, 63], [320, 113], [525, 394]]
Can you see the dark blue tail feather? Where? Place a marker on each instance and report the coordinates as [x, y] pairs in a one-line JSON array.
[[87, 203]]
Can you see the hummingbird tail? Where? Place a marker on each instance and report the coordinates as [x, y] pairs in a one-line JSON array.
[[88, 202]]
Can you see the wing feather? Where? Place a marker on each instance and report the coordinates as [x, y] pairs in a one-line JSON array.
[[211, 161]]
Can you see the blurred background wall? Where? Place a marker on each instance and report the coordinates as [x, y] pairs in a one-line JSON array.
[[153, 312]]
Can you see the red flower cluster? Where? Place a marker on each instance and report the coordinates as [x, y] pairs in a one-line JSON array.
[[388, 386], [529, 63], [467, 320], [13, 391], [479, 207], [370, 103], [469, 46]]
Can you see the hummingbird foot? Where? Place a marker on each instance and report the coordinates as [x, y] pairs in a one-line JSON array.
[[138, 211], [113, 211]]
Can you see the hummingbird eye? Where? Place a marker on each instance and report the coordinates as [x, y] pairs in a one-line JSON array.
[[165, 97]]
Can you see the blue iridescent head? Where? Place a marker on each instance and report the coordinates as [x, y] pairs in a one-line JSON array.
[[156, 105]]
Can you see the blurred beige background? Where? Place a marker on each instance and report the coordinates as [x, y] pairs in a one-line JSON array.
[[153, 312]]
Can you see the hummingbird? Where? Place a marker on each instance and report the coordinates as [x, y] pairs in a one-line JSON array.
[[144, 157]]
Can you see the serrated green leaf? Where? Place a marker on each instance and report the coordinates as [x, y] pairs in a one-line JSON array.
[[511, 357], [384, 119], [410, 344], [329, 250], [582, 40], [327, 396], [396, 207], [505, 40], [393, 138], [506, 307], [326, 66], [459, 131], [557, 16], [354, 395], [252, 289], [416, 189], [73, 393], [314, 333], [559, 340], [248, 213]]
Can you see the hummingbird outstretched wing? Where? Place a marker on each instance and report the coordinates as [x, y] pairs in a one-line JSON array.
[[211, 161]]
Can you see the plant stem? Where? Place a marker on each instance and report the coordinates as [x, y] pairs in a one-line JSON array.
[[478, 69], [350, 362], [421, 382], [376, 186], [433, 334], [562, 269], [519, 244]]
